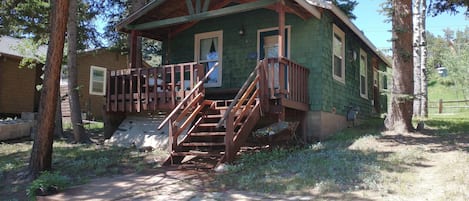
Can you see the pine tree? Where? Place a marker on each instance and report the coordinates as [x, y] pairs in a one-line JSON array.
[[400, 113], [41, 154]]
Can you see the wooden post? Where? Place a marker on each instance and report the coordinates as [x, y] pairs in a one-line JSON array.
[[281, 29], [133, 49], [229, 145], [139, 91], [108, 91], [440, 106], [172, 142]]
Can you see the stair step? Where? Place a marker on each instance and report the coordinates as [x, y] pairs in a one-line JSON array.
[[202, 144], [213, 116], [197, 153], [208, 124], [202, 134]]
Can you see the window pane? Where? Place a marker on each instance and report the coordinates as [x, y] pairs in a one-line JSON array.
[[362, 85], [98, 87], [98, 74], [337, 66], [337, 45], [207, 48]]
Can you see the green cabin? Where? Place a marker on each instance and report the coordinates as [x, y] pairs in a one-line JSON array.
[[230, 65]]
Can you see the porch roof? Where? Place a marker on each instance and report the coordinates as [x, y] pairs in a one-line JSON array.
[[162, 19]]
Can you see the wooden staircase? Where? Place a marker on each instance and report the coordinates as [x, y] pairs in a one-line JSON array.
[[216, 128], [209, 142]]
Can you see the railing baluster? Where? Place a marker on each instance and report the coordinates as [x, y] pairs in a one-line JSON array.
[[123, 102], [139, 90], [108, 91], [116, 92], [173, 85]]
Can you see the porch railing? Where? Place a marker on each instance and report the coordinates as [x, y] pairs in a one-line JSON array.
[[287, 80], [149, 89]]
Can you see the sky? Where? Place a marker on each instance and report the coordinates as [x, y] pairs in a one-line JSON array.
[[371, 22]]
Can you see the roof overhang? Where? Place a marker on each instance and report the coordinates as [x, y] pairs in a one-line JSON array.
[[161, 19], [341, 15]]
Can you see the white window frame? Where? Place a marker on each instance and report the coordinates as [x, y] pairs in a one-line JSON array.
[[337, 31], [259, 31], [97, 68], [205, 35], [363, 94]]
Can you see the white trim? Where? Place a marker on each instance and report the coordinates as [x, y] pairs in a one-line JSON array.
[[336, 10], [104, 70], [310, 8], [337, 31], [365, 56], [213, 34], [259, 31]]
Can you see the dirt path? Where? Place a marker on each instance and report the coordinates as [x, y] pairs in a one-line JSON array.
[[437, 168], [432, 168]]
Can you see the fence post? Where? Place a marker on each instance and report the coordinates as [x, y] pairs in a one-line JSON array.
[[440, 106]]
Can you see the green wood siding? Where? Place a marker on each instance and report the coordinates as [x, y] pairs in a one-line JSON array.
[[310, 45]]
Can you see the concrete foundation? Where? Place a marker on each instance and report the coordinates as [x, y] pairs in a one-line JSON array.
[[321, 125], [13, 129], [141, 131]]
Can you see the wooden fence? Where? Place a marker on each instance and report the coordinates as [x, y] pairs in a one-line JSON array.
[[452, 105]]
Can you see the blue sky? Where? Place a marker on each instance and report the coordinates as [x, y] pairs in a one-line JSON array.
[[371, 22]]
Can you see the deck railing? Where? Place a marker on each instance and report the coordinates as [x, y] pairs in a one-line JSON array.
[[285, 79], [142, 89]]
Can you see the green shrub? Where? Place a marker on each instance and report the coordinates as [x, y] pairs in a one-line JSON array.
[[45, 181]]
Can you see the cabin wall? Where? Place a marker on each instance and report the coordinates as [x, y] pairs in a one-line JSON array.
[[240, 52], [17, 87], [94, 104], [310, 46]]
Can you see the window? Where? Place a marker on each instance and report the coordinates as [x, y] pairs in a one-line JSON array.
[[338, 54], [383, 81], [97, 80], [363, 74], [209, 51]]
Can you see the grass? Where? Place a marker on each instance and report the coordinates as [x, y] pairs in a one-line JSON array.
[[79, 162], [350, 161], [328, 166], [449, 124]]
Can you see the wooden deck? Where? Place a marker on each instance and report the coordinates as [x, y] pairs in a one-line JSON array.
[[150, 89], [215, 127]]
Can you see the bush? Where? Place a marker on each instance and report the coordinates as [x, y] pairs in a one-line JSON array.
[[47, 183]]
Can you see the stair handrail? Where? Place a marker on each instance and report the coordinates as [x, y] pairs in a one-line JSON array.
[[181, 104], [239, 94]]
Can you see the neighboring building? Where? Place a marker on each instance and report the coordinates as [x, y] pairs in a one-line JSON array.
[[18, 84], [93, 66], [317, 68]]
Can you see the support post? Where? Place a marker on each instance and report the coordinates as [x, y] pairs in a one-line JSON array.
[[133, 49], [281, 27], [229, 145]]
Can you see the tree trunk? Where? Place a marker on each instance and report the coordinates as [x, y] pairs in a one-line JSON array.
[[400, 114], [41, 154], [79, 133], [417, 20], [423, 62]]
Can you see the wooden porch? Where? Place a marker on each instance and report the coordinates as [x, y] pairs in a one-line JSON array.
[[214, 127]]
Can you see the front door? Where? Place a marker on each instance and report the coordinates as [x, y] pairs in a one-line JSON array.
[[209, 51], [268, 48], [268, 43]]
